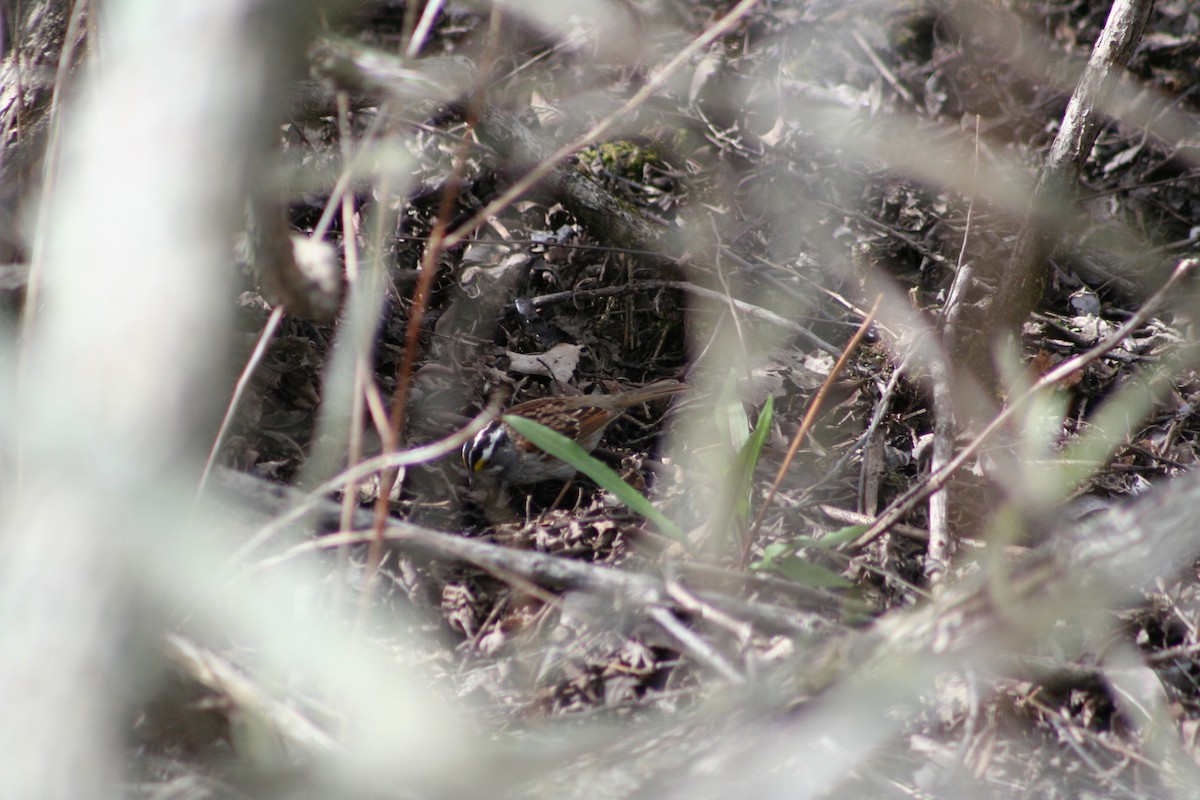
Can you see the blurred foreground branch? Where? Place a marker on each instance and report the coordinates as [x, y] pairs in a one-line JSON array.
[[115, 382], [1067, 589]]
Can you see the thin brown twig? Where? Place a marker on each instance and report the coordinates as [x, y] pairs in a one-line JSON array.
[[421, 293], [810, 416], [396, 419]]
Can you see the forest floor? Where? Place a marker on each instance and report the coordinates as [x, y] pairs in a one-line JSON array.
[[819, 158]]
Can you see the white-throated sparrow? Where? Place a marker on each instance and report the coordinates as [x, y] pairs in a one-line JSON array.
[[499, 453]]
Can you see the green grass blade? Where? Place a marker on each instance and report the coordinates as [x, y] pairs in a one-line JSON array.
[[561, 447], [781, 558], [835, 539], [730, 415], [733, 507], [742, 479]]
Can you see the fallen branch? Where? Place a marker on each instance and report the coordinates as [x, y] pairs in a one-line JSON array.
[[552, 572]]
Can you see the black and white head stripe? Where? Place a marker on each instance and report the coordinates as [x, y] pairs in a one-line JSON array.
[[478, 453]]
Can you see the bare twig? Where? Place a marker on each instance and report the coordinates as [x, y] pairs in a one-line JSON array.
[[247, 696], [692, 644], [941, 544], [872, 447], [1022, 282], [747, 309], [877, 62], [260, 350], [909, 500]]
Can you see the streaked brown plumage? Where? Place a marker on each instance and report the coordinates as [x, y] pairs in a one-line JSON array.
[[500, 453]]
